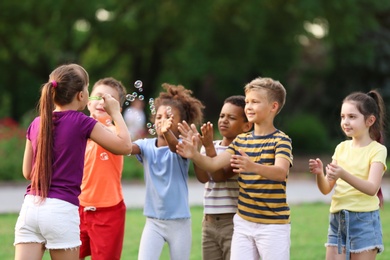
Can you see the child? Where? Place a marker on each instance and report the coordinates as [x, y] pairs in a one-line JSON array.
[[54, 162], [221, 189], [262, 159], [166, 174], [357, 168], [102, 209]]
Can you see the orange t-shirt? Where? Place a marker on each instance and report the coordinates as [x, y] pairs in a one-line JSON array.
[[101, 185]]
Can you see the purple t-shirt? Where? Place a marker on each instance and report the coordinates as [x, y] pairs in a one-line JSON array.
[[71, 132]]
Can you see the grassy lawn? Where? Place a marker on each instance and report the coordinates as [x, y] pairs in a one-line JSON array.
[[309, 229]]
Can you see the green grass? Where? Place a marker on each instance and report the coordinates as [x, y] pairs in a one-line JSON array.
[[309, 223]]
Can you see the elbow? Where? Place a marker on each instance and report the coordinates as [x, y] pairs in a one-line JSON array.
[[202, 181], [128, 150]]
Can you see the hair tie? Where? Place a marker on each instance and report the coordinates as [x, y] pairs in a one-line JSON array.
[[54, 84]]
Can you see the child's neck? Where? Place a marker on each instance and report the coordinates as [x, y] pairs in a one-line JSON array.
[[361, 141], [264, 130], [161, 141], [225, 141]]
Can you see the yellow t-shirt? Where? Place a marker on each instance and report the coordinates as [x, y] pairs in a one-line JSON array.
[[356, 161], [101, 185]]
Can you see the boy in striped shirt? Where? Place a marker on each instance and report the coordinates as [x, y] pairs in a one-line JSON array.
[[221, 187], [262, 159]]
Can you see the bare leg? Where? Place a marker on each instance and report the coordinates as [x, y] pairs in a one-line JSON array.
[[31, 251], [65, 254], [333, 254], [366, 255]]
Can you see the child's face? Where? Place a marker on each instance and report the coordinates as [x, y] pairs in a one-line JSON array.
[[164, 113], [258, 108], [352, 122], [95, 106], [231, 121]]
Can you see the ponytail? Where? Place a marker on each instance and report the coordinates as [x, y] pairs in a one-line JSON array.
[[42, 170]]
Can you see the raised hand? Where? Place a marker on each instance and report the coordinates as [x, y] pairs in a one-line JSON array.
[[187, 148], [241, 163], [166, 124], [316, 166], [333, 172], [207, 136], [110, 104], [188, 132]]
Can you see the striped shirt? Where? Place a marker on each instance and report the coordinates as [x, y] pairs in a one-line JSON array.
[[220, 197], [262, 200]]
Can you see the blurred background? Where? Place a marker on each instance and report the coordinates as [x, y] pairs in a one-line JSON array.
[[319, 50]]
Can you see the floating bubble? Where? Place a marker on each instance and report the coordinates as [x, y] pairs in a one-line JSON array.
[[135, 94], [127, 103], [128, 96], [140, 89], [138, 84], [131, 98], [151, 101], [153, 111], [141, 97], [152, 131], [149, 125]]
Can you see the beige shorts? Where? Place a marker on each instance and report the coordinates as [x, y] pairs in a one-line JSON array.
[[54, 223]]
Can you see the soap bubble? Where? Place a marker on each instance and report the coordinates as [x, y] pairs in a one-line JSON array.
[[141, 97], [138, 84], [149, 125], [152, 131], [135, 94]]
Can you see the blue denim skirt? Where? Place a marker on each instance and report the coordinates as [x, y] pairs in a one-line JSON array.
[[355, 231]]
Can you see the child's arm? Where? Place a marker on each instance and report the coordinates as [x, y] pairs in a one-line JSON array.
[[207, 141], [188, 149], [168, 134], [118, 142], [27, 160], [369, 186], [187, 132], [276, 172], [324, 184]]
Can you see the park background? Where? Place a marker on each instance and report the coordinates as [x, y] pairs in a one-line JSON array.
[[320, 50]]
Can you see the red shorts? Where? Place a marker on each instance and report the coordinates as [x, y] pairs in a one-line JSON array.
[[102, 231]]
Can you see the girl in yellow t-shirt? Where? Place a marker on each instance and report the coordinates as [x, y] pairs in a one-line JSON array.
[[356, 171]]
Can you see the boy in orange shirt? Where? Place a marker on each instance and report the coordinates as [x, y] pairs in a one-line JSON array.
[[102, 209]]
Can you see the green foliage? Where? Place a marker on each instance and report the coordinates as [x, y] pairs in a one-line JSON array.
[[12, 144], [308, 134], [211, 47], [132, 168], [5, 105]]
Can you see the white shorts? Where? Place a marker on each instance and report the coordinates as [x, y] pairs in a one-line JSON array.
[[253, 240], [54, 223]]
